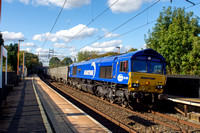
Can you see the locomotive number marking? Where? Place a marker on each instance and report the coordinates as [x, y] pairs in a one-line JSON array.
[[147, 78], [88, 72]]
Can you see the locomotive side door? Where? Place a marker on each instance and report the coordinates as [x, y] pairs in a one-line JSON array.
[[115, 69]]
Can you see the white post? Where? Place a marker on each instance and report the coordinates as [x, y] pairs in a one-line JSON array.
[[6, 72], [3, 55]]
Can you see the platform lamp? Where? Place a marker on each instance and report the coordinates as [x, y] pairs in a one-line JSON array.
[[23, 65], [118, 49], [18, 57]]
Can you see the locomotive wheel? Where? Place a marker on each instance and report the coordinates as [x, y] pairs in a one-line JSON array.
[[102, 97], [124, 104], [111, 101]]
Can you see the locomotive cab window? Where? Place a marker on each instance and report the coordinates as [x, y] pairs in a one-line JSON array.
[[123, 66], [74, 71], [139, 66], [156, 67]]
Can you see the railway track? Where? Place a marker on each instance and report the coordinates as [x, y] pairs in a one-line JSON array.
[[129, 120]]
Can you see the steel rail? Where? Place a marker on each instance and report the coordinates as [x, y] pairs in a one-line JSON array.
[[139, 114], [176, 120], [99, 112]]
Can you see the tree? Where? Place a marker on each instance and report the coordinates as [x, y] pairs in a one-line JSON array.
[[86, 55], [131, 50], [109, 54], [31, 61], [176, 37], [12, 56], [66, 61], [54, 62], [1, 39]]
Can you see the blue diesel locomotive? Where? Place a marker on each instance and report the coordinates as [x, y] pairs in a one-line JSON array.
[[138, 76]]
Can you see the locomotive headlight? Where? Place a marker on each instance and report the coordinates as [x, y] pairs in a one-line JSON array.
[[159, 86], [135, 85]]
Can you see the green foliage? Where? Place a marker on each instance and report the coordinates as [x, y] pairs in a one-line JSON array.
[[86, 55], [1, 39], [31, 61], [54, 62], [108, 54], [176, 37], [12, 56], [131, 50], [66, 61]]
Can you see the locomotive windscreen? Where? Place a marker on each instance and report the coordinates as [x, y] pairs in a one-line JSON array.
[[156, 67], [139, 66], [148, 66]]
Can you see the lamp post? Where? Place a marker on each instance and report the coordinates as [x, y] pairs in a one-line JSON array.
[[23, 64], [118, 49], [18, 57]]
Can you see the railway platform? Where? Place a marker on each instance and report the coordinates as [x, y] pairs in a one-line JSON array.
[[35, 107], [189, 107], [185, 100]]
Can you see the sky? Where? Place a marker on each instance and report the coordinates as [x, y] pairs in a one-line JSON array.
[[92, 25]]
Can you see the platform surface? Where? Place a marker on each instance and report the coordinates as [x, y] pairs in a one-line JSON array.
[[34, 107], [21, 113], [71, 116], [185, 100]]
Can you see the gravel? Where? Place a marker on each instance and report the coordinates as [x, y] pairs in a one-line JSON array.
[[126, 117]]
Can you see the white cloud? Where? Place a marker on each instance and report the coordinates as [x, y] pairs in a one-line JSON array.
[[144, 46], [74, 54], [42, 37], [109, 46], [24, 1], [125, 5], [12, 36], [27, 49], [29, 44], [67, 35], [59, 3], [61, 45], [112, 43], [40, 50], [110, 34]]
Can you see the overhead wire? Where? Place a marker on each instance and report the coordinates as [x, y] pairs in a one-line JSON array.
[[54, 23], [74, 15], [92, 21], [121, 25], [127, 22], [132, 29], [193, 5], [148, 23]]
